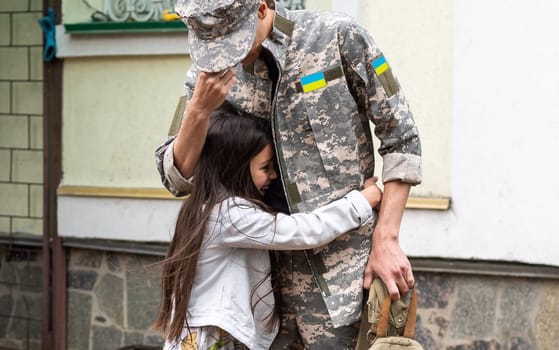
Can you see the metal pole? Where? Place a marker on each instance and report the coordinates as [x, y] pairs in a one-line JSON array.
[[54, 260]]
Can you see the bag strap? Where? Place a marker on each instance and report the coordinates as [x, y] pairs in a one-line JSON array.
[[409, 330]]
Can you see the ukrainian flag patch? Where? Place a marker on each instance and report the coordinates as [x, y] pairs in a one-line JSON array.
[[380, 65], [313, 82], [384, 74]]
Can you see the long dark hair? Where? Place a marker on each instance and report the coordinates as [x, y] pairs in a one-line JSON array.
[[223, 171]]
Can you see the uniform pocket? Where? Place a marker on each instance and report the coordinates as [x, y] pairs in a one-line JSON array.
[[333, 118]]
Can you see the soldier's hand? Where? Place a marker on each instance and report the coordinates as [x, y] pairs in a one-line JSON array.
[[388, 262], [210, 90]]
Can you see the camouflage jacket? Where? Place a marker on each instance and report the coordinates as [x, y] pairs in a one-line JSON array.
[[333, 80]]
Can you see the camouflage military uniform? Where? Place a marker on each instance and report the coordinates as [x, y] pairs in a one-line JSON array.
[[332, 81]]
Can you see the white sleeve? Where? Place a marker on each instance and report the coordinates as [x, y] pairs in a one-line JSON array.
[[244, 225]]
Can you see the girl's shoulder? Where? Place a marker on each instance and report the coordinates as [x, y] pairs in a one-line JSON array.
[[236, 210], [236, 203]]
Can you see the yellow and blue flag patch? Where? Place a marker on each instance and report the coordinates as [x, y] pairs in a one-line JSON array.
[[384, 74], [319, 79], [380, 65], [313, 82]]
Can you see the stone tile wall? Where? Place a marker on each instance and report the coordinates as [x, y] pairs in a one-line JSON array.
[[112, 299], [20, 297], [467, 312], [21, 117], [115, 297]]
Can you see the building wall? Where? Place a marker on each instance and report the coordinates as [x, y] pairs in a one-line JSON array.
[[108, 305], [21, 173], [485, 126], [138, 97], [110, 134], [505, 124], [21, 118]]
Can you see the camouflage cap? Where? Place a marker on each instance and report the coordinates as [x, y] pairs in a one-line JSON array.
[[221, 32]]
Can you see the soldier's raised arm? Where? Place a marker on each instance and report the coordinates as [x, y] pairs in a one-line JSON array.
[[177, 158]]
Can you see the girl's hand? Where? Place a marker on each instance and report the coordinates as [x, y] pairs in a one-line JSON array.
[[372, 192]]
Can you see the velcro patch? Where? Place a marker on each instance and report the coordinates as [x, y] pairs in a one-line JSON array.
[[384, 73], [313, 82], [319, 79]]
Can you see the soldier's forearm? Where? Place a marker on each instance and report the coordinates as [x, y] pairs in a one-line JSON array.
[[391, 210], [190, 141]]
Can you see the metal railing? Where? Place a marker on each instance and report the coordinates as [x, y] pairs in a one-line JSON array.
[[152, 10]]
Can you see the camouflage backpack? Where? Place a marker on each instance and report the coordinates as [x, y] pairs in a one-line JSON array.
[[392, 324]]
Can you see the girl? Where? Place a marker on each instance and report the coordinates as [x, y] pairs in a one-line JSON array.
[[216, 285]]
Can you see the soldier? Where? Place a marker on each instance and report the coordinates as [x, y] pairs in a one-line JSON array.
[[216, 276], [320, 78]]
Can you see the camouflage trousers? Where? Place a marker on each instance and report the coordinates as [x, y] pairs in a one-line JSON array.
[[305, 320]]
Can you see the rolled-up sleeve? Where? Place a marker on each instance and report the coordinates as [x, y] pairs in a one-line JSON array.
[[385, 106], [171, 177]]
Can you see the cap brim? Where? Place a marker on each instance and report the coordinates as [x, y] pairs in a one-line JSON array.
[[224, 52]]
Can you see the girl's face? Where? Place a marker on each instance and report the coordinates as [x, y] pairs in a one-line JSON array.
[[262, 169]]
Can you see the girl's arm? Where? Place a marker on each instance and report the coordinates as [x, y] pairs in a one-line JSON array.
[[246, 226]]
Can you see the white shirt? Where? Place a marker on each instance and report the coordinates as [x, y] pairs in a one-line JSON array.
[[234, 260]]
